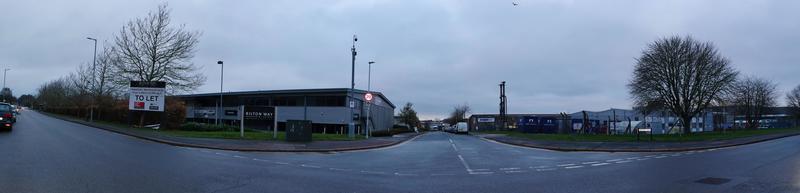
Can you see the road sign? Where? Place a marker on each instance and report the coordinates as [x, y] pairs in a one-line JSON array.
[[368, 96], [146, 96], [352, 104]]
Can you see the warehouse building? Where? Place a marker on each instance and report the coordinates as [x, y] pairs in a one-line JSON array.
[[327, 109]]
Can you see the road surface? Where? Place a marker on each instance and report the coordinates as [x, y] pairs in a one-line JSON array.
[[44, 154]]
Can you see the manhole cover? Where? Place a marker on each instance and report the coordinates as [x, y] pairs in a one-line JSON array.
[[713, 181]]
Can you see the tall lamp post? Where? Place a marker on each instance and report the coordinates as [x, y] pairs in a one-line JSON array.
[[351, 127], [221, 74], [94, 63], [4, 82], [369, 99]]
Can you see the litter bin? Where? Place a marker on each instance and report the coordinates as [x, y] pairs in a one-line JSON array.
[[298, 130]]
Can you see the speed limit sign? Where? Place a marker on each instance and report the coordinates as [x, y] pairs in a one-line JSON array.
[[368, 96]]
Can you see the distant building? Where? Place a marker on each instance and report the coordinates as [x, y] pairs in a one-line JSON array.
[[327, 109]]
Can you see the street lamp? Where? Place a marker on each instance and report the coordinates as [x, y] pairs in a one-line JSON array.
[[94, 63], [351, 127], [221, 73], [369, 101], [4, 82]]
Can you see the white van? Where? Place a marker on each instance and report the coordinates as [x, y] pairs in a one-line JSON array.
[[461, 127]]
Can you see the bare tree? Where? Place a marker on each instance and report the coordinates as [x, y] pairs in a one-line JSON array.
[[149, 49], [682, 74], [459, 114], [793, 101], [752, 98]]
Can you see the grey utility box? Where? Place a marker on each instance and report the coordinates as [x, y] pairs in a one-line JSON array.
[[298, 130]]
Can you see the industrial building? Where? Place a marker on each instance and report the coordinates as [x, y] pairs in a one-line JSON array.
[[327, 109]]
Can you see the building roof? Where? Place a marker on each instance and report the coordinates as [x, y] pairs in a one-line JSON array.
[[289, 91]]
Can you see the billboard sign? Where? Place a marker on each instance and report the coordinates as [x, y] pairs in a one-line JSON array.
[[259, 117], [146, 96]]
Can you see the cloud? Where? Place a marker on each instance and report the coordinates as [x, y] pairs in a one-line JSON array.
[[555, 55]]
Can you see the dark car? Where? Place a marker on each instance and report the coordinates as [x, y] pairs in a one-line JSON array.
[[7, 118]]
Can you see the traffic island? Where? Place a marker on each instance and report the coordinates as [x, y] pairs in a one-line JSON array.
[[616, 144], [260, 144]]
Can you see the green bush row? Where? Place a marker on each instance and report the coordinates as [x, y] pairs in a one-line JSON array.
[[192, 126]]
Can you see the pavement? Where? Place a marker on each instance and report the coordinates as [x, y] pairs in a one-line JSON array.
[[643, 146], [249, 145], [44, 154]]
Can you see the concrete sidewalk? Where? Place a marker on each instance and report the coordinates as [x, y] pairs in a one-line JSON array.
[[644, 146], [251, 145]]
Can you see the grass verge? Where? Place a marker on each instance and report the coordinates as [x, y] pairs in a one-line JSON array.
[[705, 136]]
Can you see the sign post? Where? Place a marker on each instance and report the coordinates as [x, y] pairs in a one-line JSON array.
[[368, 97], [241, 121], [260, 117], [146, 96]]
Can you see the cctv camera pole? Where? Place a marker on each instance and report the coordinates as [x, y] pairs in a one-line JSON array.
[[503, 107], [351, 126]]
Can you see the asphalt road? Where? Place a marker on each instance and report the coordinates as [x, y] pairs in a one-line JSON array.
[[44, 154]]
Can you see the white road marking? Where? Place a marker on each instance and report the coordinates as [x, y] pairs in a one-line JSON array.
[[463, 162], [642, 159], [509, 168], [372, 172], [539, 167], [451, 140], [573, 167], [633, 158], [218, 153], [443, 174], [479, 170], [514, 171], [237, 156], [659, 157], [613, 160], [454, 146], [650, 156], [402, 174], [600, 164], [309, 166], [619, 162], [545, 169], [282, 163], [562, 165], [481, 173], [339, 169], [591, 162]]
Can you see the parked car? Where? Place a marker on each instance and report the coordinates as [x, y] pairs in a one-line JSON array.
[[461, 127], [7, 118]]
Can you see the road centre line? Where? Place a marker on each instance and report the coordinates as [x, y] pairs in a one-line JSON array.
[[562, 165], [600, 164], [573, 167], [463, 162], [309, 166], [613, 160], [509, 168], [594, 162], [626, 161], [372, 172]]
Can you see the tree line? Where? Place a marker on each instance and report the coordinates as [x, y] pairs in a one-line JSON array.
[[145, 49]]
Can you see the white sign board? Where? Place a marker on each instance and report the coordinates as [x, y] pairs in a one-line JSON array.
[[146, 96], [485, 120]]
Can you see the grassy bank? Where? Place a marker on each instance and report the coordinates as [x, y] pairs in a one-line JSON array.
[[705, 136]]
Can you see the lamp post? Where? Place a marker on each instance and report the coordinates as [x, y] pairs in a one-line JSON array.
[[351, 127], [4, 82], [221, 74], [369, 101], [94, 64]]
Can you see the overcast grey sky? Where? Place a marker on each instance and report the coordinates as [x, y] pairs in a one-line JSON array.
[[556, 55]]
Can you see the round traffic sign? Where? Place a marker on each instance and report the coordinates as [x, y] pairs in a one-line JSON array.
[[368, 96]]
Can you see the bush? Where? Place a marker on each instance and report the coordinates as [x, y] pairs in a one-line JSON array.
[[192, 126], [391, 132]]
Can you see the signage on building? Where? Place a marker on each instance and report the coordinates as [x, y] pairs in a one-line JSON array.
[[231, 112], [485, 120], [259, 117], [146, 96]]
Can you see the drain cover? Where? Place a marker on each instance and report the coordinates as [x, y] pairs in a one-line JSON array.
[[713, 181]]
